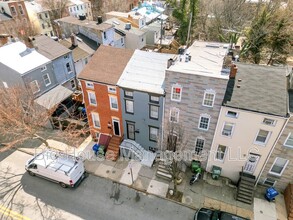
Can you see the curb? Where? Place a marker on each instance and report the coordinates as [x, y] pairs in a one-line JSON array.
[[144, 191], [24, 151]]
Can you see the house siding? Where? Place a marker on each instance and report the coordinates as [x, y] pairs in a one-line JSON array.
[[190, 106]]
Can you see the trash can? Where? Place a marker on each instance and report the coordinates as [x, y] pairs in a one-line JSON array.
[[216, 172], [195, 164], [271, 193], [96, 148]]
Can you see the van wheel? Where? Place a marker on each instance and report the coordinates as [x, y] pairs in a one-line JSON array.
[[31, 173], [63, 185]]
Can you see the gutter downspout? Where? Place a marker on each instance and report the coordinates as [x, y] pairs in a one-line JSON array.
[[271, 151], [163, 120]]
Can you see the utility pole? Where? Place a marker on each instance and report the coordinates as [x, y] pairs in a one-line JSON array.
[[189, 27]]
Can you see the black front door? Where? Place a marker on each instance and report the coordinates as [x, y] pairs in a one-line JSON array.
[[130, 130], [116, 127]]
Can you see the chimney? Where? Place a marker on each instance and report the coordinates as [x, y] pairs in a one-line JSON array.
[[100, 20], [233, 71], [73, 40], [169, 63]]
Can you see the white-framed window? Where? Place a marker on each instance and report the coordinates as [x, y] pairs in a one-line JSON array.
[[289, 141], [20, 9], [176, 93], [68, 67], [209, 98], [262, 137], [129, 106], [153, 133], [89, 85], [199, 145], [269, 121], [13, 10], [204, 122], [221, 152], [46, 79], [269, 182], [34, 86], [113, 103], [128, 94], [112, 89], [278, 166], [154, 111], [92, 98], [232, 114], [96, 120], [154, 99], [174, 115], [43, 68], [228, 129]]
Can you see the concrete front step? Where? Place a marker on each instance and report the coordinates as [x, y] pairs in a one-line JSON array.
[[248, 201], [246, 194], [163, 170], [245, 189], [164, 175]]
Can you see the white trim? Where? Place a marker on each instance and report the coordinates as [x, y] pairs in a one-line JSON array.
[[287, 140], [111, 107], [98, 117], [209, 92], [116, 120], [46, 74], [216, 159], [230, 116], [284, 167], [37, 85], [177, 111], [204, 141], [232, 131], [273, 124], [113, 91], [262, 143], [43, 68], [204, 116], [172, 88], [89, 98], [89, 85], [275, 181]]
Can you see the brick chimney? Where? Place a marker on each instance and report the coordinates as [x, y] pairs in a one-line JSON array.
[[233, 71]]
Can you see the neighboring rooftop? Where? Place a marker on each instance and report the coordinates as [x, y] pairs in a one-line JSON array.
[[49, 47], [86, 23], [20, 58], [5, 17], [145, 72], [106, 65], [206, 59], [120, 25], [77, 52], [258, 88]]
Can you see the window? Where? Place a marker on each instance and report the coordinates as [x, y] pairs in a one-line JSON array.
[[89, 85], [289, 141], [34, 86], [43, 68], [176, 93], [77, 8], [269, 121], [113, 102], [68, 68], [105, 35], [46, 79], [20, 9], [112, 89], [204, 122], [262, 137], [5, 85], [129, 106], [174, 115], [221, 151], [122, 40], [73, 85], [40, 16], [154, 99], [232, 114], [154, 112], [279, 166], [13, 11], [46, 15], [43, 26], [269, 182], [74, 8], [66, 56], [208, 99], [96, 120], [81, 7], [92, 98], [86, 61], [128, 94], [227, 129], [199, 144], [154, 133]]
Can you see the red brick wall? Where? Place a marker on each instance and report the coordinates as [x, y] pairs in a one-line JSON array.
[[103, 108]]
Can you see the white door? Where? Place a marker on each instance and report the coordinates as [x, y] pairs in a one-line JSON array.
[[251, 163]]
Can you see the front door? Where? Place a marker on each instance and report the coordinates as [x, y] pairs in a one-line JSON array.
[[116, 126], [130, 130], [251, 163]]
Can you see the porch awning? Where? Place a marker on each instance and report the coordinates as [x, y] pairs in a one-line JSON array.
[[53, 97]]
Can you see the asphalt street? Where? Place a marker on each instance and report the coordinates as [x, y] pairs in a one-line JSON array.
[[95, 198]]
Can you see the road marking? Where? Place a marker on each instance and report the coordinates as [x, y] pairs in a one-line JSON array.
[[12, 214]]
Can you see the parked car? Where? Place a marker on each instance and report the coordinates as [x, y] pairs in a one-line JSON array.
[[209, 214], [58, 167]]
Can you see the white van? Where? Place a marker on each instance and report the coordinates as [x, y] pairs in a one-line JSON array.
[[58, 167]]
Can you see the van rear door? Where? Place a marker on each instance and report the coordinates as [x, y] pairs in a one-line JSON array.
[[76, 172]]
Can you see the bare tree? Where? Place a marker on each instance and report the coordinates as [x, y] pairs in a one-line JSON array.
[[22, 119]]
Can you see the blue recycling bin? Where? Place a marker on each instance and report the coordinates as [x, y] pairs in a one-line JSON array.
[[271, 193], [96, 148]]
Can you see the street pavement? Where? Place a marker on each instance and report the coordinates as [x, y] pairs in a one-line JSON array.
[[96, 198]]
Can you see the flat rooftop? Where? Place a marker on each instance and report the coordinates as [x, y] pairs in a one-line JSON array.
[[258, 88], [207, 59], [145, 71], [120, 25]]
